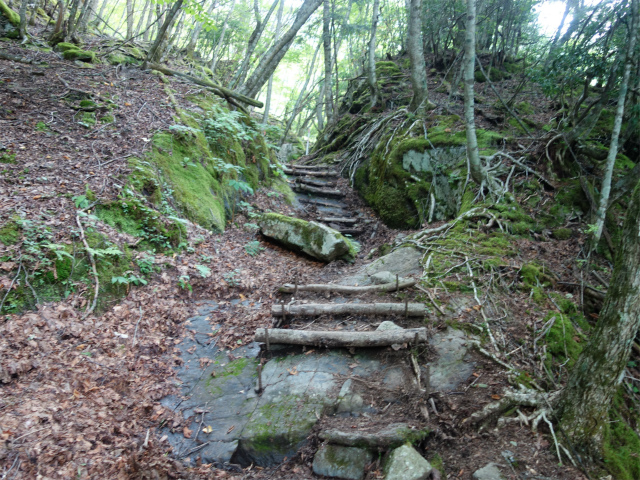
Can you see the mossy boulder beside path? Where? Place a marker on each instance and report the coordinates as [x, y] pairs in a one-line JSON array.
[[314, 239]]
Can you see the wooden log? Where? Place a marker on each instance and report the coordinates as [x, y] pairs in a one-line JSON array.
[[349, 221], [305, 167], [314, 309], [392, 436], [347, 289], [342, 339], [313, 182], [320, 201], [349, 231], [310, 173], [318, 191], [217, 89]]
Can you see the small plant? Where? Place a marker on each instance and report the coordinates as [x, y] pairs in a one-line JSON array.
[[241, 186], [186, 162], [206, 258], [81, 201], [253, 248], [231, 277], [251, 226], [183, 282], [146, 264], [128, 279], [274, 194], [204, 271]]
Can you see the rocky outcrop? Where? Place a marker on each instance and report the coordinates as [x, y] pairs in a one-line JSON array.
[[314, 239]]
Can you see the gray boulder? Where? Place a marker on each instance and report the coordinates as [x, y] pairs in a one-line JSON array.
[[488, 472], [341, 462], [312, 238], [406, 464]]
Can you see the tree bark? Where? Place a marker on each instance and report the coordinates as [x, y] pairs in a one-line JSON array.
[[373, 82], [89, 13], [420, 100], [23, 20], [328, 63], [617, 125], [478, 172], [347, 289], [583, 405], [313, 309], [130, 5], [273, 56], [267, 103], [342, 339]]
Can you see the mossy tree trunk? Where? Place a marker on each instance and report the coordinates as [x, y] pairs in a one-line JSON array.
[[617, 125], [583, 405], [420, 100], [23, 20], [373, 83], [155, 51]]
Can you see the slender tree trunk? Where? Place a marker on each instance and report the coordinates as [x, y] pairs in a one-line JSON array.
[[583, 404], [101, 12], [478, 172], [193, 40], [267, 103], [319, 111], [143, 13], [373, 82], [328, 68], [88, 14], [23, 20], [296, 108], [218, 50], [155, 52], [420, 100], [253, 42], [147, 30], [273, 56], [617, 125], [130, 5]]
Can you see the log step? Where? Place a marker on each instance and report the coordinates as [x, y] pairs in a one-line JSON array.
[[313, 182], [348, 289], [337, 339], [304, 167], [315, 309], [310, 173], [349, 221], [349, 231], [320, 201], [391, 436], [318, 191]]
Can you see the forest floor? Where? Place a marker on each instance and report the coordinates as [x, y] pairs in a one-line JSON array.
[[80, 397]]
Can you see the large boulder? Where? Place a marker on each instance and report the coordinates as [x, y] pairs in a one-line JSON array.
[[312, 238]]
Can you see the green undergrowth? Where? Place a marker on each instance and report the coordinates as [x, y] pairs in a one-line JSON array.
[[51, 271], [621, 440], [567, 335]]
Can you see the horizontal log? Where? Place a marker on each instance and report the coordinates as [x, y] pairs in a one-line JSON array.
[[321, 201], [347, 289], [349, 221], [313, 309], [217, 89], [336, 339], [392, 436], [314, 182], [327, 192], [305, 167], [310, 173], [349, 231]]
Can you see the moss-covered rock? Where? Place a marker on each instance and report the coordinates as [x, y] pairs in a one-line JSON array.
[[562, 233], [9, 22], [10, 233], [12, 17], [73, 52], [314, 239]]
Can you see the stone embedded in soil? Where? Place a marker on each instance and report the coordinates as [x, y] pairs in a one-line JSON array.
[[341, 462], [404, 262], [406, 464], [389, 325], [450, 369], [312, 238], [488, 472]]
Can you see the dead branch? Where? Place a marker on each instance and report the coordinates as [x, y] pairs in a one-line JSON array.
[[91, 306], [347, 289], [338, 339], [314, 309]]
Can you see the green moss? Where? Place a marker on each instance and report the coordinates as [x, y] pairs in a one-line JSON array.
[[387, 69], [13, 17], [87, 119], [235, 367], [107, 119], [6, 157], [133, 217], [42, 127], [436, 462], [495, 75], [525, 108], [10, 233], [73, 52], [564, 342], [88, 104], [562, 233], [621, 442], [534, 275]]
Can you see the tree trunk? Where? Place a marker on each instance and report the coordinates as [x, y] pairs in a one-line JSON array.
[[193, 40], [273, 56], [328, 66], [267, 103], [218, 49], [147, 30], [241, 74], [478, 172], [88, 14], [617, 125], [348, 289], [130, 6], [341, 339], [23, 20], [155, 51], [420, 100], [101, 12], [143, 13], [312, 309], [373, 83], [583, 404]]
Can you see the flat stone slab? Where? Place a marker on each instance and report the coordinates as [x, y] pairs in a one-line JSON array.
[[404, 262], [488, 472], [239, 426], [451, 368], [341, 462]]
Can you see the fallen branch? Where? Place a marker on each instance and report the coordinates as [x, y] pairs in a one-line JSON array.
[[347, 289], [214, 87], [314, 309], [13, 58], [350, 221], [93, 268], [338, 339]]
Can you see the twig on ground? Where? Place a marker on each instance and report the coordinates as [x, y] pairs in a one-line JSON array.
[[91, 306]]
